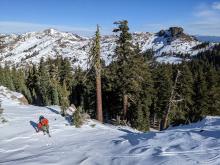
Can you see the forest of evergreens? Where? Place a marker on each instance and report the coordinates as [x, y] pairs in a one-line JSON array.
[[136, 90]]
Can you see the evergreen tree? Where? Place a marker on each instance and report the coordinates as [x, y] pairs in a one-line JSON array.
[[65, 73], [140, 91], [77, 117], [213, 92], [163, 86], [96, 64], [22, 88], [2, 78], [123, 51], [200, 97], [33, 85], [54, 94], [64, 98], [185, 96], [8, 82], [44, 83]]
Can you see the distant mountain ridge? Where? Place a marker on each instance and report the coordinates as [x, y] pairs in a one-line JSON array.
[[29, 48], [208, 38]]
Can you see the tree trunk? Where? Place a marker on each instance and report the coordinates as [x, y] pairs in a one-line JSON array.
[[107, 109], [125, 106], [172, 96], [99, 98]]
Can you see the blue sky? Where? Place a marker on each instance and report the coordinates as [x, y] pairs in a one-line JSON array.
[[81, 16]]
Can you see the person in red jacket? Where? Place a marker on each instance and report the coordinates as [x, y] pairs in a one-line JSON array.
[[43, 124]]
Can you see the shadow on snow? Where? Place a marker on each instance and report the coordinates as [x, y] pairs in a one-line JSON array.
[[68, 117], [34, 125], [134, 138]]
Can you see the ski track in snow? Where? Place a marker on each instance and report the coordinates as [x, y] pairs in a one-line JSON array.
[[101, 144]]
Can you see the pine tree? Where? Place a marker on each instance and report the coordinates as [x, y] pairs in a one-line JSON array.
[[44, 83], [64, 98], [33, 84], [213, 92], [65, 72], [8, 82], [54, 81], [77, 117], [140, 90], [132, 79], [122, 52], [96, 64], [171, 102], [185, 95], [199, 97], [54, 94], [2, 80], [22, 85], [16, 82], [163, 87]]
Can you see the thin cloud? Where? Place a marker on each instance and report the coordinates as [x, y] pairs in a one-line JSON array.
[[206, 20], [216, 5]]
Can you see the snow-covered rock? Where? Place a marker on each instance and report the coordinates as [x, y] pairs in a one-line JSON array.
[[95, 143], [5, 93], [28, 48]]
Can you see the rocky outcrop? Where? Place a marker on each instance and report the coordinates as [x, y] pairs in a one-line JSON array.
[[23, 100], [5, 93], [161, 33], [175, 33]]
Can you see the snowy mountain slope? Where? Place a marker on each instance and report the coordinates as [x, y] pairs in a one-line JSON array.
[[22, 50], [97, 144]]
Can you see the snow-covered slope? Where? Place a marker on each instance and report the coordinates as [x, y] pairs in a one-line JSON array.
[[22, 50], [5, 93], [97, 144]]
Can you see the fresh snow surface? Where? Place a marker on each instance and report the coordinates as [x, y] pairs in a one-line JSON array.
[[98, 144], [5, 93]]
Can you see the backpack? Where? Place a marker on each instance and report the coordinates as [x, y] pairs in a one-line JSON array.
[[44, 121]]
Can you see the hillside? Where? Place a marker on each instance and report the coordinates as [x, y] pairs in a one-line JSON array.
[[28, 48], [99, 144]]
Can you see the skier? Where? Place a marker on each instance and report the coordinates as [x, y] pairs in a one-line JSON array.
[[43, 125]]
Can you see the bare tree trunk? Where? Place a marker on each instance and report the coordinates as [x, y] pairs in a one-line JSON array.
[[107, 109], [154, 119], [99, 97], [172, 96], [125, 106]]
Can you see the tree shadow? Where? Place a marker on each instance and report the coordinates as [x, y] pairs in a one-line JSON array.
[[34, 125], [134, 138], [208, 133], [53, 110], [69, 119]]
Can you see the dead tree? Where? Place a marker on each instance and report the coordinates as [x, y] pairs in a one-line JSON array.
[[172, 101]]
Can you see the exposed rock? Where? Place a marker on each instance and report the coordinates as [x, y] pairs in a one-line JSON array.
[[23, 100], [161, 33], [176, 31], [5, 93]]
